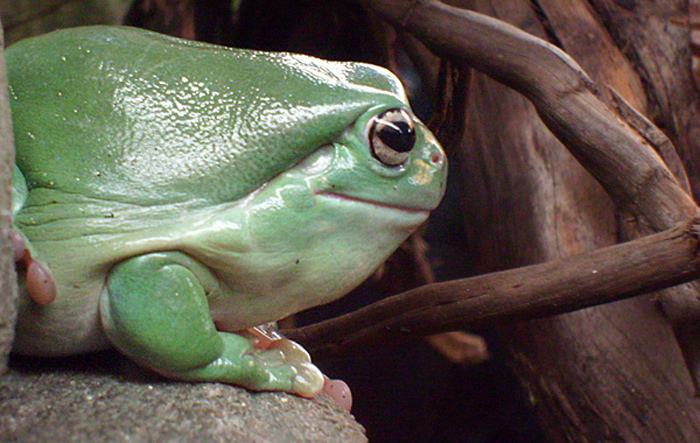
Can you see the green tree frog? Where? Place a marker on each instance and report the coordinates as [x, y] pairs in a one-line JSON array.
[[170, 195]]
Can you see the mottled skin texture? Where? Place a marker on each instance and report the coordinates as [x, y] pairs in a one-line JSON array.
[[179, 192]]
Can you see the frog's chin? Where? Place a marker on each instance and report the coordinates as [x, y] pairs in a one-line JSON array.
[[349, 198]]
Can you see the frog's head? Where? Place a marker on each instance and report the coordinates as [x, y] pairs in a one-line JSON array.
[[387, 158], [356, 197]]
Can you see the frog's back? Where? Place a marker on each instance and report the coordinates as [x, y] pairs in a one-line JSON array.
[[122, 114]]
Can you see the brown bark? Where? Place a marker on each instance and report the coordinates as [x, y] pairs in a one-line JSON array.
[[657, 36], [579, 367]]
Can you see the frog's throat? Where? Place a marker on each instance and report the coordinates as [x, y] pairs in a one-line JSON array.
[[350, 198]]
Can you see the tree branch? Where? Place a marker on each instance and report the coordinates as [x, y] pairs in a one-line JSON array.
[[602, 276]]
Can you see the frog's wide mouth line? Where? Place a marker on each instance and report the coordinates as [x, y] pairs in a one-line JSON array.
[[345, 197]]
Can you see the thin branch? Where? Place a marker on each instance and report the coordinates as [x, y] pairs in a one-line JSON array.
[[602, 276]]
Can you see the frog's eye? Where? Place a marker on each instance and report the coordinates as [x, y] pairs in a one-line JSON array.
[[391, 136]]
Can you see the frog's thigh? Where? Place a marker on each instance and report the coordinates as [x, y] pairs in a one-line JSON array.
[[154, 309]]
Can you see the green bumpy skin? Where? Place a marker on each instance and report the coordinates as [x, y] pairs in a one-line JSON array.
[[180, 192]]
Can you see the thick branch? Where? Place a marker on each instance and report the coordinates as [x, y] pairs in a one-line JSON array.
[[602, 276]]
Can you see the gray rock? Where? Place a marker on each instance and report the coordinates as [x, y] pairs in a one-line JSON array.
[[8, 286], [105, 398]]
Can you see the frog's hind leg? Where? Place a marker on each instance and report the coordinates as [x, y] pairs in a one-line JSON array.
[[154, 309]]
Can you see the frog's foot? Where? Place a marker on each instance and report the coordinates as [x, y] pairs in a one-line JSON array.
[[40, 284], [282, 366], [267, 336]]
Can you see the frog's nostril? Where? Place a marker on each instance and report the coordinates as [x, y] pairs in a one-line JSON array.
[[436, 158]]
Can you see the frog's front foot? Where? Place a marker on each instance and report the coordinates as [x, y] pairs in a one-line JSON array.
[[40, 284], [282, 366], [309, 381]]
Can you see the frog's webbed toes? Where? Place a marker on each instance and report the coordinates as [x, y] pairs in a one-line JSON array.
[[177, 337], [309, 380], [290, 368]]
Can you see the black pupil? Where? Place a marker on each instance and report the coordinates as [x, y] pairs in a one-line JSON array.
[[398, 135]]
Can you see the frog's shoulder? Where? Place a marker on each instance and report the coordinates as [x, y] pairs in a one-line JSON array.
[[140, 117]]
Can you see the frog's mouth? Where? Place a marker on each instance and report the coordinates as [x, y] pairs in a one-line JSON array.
[[350, 198]]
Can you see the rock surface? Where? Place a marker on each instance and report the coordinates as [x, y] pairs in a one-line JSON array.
[[104, 397], [8, 287]]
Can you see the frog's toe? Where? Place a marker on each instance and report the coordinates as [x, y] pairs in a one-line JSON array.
[[339, 391], [291, 372], [40, 284], [292, 351], [290, 367], [309, 380], [19, 245]]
